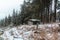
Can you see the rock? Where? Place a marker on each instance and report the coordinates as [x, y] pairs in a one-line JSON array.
[[1, 38], [1, 32]]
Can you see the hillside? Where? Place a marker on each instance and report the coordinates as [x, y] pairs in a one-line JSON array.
[[29, 32]]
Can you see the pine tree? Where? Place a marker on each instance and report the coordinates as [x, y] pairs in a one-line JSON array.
[[9, 19], [13, 17]]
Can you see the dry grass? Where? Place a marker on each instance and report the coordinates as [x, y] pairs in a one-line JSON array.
[[44, 34]]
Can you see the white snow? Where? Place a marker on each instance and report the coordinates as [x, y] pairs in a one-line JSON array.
[[24, 32]]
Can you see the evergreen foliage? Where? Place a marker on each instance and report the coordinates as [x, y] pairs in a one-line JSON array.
[[32, 9]]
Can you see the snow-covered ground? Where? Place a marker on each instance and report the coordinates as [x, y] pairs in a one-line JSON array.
[[29, 32]]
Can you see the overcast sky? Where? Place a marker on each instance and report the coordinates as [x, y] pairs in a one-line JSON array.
[[7, 6], [59, 0]]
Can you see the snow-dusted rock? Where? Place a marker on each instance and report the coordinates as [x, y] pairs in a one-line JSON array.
[[26, 32]]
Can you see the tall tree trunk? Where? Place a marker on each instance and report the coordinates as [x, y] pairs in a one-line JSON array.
[[55, 2]]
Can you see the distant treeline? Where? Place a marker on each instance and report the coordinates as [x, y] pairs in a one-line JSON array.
[[32, 9]]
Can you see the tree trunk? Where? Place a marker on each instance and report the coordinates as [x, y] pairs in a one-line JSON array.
[[55, 2]]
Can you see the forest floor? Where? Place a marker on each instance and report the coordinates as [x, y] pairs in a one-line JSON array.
[[29, 32]]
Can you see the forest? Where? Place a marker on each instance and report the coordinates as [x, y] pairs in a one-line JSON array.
[[33, 9]]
